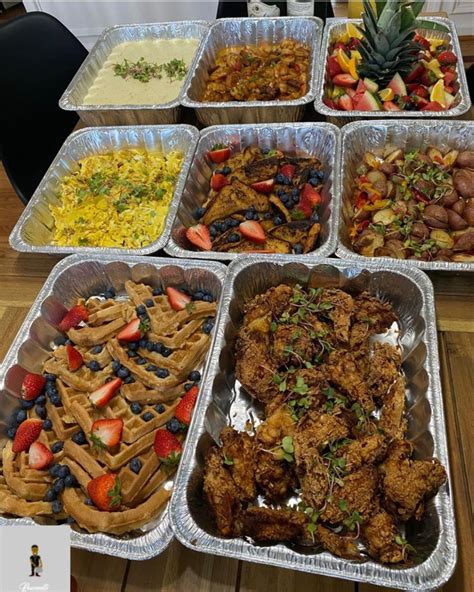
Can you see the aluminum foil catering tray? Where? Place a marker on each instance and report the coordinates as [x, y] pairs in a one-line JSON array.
[[160, 113], [316, 139], [228, 32], [72, 278], [362, 136], [33, 231], [224, 402], [335, 27]]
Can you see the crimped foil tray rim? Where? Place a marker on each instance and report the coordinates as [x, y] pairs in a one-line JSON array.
[[101, 542], [335, 567], [186, 101], [19, 244], [347, 254], [67, 104], [325, 250], [460, 109]]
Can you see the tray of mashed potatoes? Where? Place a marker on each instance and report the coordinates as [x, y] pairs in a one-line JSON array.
[[109, 191], [135, 74]]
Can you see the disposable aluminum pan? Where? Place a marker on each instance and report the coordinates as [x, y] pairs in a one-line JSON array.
[[160, 113], [462, 103], [228, 32], [370, 136], [224, 402], [72, 278], [317, 139], [34, 230]]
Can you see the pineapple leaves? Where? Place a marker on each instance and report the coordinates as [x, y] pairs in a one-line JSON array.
[[417, 6], [380, 5], [430, 25]]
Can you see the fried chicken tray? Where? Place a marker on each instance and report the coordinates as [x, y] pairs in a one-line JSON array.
[[320, 442], [98, 389]]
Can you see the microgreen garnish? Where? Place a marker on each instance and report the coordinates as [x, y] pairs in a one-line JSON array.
[[405, 545], [228, 460], [144, 71]]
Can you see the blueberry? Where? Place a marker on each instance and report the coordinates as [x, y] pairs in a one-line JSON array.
[[226, 225], [70, 481], [135, 465], [94, 365], [54, 470], [41, 411], [160, 408], [280, 178], [50, 377], [28, 404], [11, 432], [277, 220], [296, 199], [212, 232], [267, 216], [47, 425], [314, 182], [207, 328], [70, 520], [173, 425], [249, 215], [147, 416], [226, 170], [284, 198], [315, 216], [136, 408], [195, 376], [162, 373], [166, 351], [129, 380], [64, 472], [59, 340], [188, 386], [151, 368], [208, 298], [96, 349], [142, 343], [133, 345], [219, 226], [132, 354], [21, 416], [57, 507], [141, 309], [234, 223], [110, 293], [198, 295], [233, 238], [57, 447], [79, 438], [320, 175], [123, 372], [157, 291], [89, 502], [115, 365], [41, 400], [58, 485], [295, 192], [298, 249], [51, 389], [158, 347], [141, 361], [256, 217], [50, 495], [55, 400], [149, 303], [68, 342], [199, 213], [150, 345]]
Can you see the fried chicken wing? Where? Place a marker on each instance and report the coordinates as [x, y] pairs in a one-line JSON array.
[[340, 313], [384, 368], [379, 533], [239, 449], [392, 420], [367, 450], [275, 479], [314, 431], [272, 302], [272, 525], [253, 366], [343, 373], [278, 425], [291, 344], [369, 309], [314, 479], [341, 546]]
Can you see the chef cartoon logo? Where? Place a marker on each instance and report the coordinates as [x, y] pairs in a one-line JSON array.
[[36, 562]]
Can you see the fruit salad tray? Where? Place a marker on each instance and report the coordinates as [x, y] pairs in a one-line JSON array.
[[346, 90], [97, 393], [221, 500]]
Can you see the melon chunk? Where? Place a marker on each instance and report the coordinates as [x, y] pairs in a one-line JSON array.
[[371, 85], [397, 85], [367, 102]]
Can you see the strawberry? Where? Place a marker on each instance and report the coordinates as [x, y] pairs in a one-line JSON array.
[[106, 433], [26, 434], [134, 331], [428, 78], [218, 153], [390, 106], [39, 456], [167, 447], [415, 73], [32, 386], [218, 181], [74, 358], [199, 236], [446, 58], [333, 67], [74, 317], [432, 106], [449, 77], [103, 394], [421, 41], [420, 101], [105, 492], [329, 103], [263, 186], [345, 102], [252, 231], [446, 69], [345, 80], [421, 91], [178, 300], [309, 199], [184, 408], [288, 170]]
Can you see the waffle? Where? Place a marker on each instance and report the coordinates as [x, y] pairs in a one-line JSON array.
[[144, 492]]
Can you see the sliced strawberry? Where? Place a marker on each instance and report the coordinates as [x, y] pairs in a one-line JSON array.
[[264, 186], [26, 434], [428, 78], [390, 106], [432, 106], [421, 41], [39, 456], [446, 69], [106, 433], [74, 317], [449, 78], [361, 88], [134, 331], [345, 80], [184, 408], [32, 386], [288, 170], [74, 358], [333, 67], [218, 181], [178, 300], [252, 231], [105, 492], [219, 153], [421, 91], [199, 236], [309, 199], [345, 102], [447, 58], [167, 447], [103, 394], [420, 101], [329, 103]]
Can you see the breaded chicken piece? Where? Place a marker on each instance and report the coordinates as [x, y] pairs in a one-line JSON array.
[[369, 449], [220, 491], [379, 533], [239, 448], [392, 420], [288, 339], [341, 546], [275, 478], [340, 313], [406, 483], [378, 315], [254, 366], [314, 479], [384, 368], [272, 525], [314, 431], [273, 302], [278, 425], [342, 371]]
